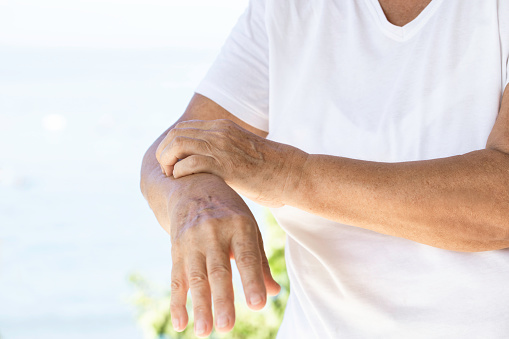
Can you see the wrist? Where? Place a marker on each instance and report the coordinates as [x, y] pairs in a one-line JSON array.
[[178, 191]]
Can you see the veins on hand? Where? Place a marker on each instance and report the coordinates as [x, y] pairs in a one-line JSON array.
[[201, 211]]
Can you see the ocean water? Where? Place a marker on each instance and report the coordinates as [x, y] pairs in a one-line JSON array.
[[73, 225], [75, 122]]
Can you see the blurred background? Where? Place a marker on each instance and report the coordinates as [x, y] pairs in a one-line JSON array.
[[85, 88]]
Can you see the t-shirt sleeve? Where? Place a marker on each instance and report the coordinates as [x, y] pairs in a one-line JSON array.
[[505, 80], [503, 24], [238, 80]]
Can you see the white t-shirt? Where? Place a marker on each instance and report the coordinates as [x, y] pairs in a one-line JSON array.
[[335, 77]]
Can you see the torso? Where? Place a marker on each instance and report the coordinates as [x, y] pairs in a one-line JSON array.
[[346, 81], [401, 12]]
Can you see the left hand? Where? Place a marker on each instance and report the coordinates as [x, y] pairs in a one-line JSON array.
[[255, 167]]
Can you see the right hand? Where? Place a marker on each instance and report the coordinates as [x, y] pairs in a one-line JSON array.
[[209, 225]]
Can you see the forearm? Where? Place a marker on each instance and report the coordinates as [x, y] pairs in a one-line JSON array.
[[154, 185], [458, 203], [163, 193]]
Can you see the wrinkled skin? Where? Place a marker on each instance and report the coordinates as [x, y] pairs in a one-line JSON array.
[[254, 166], [212, 226]]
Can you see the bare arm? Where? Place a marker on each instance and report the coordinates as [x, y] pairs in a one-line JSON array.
[[458, 203], [153, 184], [209, 224]]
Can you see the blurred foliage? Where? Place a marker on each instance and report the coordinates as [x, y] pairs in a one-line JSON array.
[[153, 304]]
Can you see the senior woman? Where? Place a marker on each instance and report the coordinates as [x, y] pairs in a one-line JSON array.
[[378, 133]]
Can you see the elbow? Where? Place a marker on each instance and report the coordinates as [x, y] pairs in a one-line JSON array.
[[505, 232], [476, 246], [499, 218], [493, 238], [489, 232], [489, 224], [143, 186]]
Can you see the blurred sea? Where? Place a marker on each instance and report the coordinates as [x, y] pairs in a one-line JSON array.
[[74, 125]]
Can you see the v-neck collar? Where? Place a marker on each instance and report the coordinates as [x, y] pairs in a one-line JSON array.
[[407, 31]]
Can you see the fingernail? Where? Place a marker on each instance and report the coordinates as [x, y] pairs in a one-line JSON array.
[[255, 299], [176, 323], [200, 327], [222, 322]]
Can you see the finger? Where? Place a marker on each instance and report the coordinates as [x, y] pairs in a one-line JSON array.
[[162, 145], [220, 278], [273, 288], [193, 128], [188, 132], [196, 164], [178, 297], [182, 147], [202, 124], [200, 295], [167, 170], [249, 262], [175, 132]]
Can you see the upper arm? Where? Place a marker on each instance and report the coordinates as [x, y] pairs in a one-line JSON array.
[[203, 108], [238, 80], [499, 136]]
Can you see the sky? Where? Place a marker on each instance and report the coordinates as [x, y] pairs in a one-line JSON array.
[[117, 23]]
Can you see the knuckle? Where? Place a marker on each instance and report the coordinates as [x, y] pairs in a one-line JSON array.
[[171, 133], [179, 125], [177, 141], [178, 285], [159, 151], [242, 220], [219, 271], [248, 259], [245, 234], [197, 279], [208, 147]]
